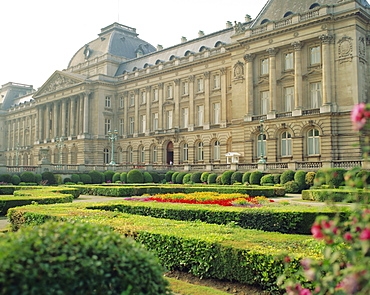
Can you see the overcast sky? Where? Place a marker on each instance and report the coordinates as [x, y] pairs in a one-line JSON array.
[[41, 36]]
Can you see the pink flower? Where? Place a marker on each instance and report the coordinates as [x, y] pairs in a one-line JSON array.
[[359, 115], [316, 231], [347, 236], [305, 292], [365, 234]]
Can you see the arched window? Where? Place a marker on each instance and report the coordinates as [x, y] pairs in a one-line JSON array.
[[216, 150], [130, 155], [185, 152], [313, 142], [265, 21], [142, 154], [315, 5], [154, 154], [74, 153], [286, 144], [261, 146], [288, 14], [106, 157], [200, 151]]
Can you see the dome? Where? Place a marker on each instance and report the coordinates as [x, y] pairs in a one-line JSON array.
[[116, 39]]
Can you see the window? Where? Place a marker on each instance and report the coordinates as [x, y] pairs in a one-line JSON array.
[[313, 143], [143, 97], [142, 123], [106, 156], [108, 102], [315, 55], [142, 154], [155, 94], [289, 61], [132, 99], [261, 146], [200, 84], [216, 113], [154, 154], [169, 91], [132, 125], [216, 150], [169, 119], [216, 81], [185, 152], [200, 151], [185, 117], [286, 144], [315, 95], [155, 121], [184, 87], [264, 66], [107, 126], [130, 155], [288, 99], [265, 99], [200, 112], [121, 126], [121, 102]]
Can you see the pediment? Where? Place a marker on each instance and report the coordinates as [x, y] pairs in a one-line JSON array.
[[58, 81]]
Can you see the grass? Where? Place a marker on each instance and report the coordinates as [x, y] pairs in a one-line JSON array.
[[183, 288]]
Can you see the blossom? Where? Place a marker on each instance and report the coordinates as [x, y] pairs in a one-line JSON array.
[[365, 234], [359, 116], [316, 231], [347, 236]]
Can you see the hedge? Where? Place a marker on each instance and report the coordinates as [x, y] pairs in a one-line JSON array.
[[207, 250], [135, 176], [335, 195]]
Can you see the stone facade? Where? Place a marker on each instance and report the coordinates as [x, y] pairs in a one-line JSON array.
[[279, 87]]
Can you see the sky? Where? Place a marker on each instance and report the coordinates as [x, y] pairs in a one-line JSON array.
[[39, 37]]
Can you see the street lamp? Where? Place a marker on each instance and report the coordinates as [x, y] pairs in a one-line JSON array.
[[262, 159], [17, 154], [60, 145], [112, 137]]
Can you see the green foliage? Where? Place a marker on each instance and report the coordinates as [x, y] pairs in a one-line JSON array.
[[267, 179], [335, 177], [77, 258], [116, 177], [300, 178], [219, 179], [108, 175], [187, 178], [277, 178], [320, 177], [38, 178], [86, 178], [292, 187], [287, 176], [309, 178], [15, 179], [49, 177], [6, 178], [155, 176], [96, 177], [255, 177], [168, 175], [123, 177], [58, 179], [27, 176], [246, 176], [147, 177], [195, 177], [204, 177], [135, 176], [68, 180], [75, 178], [226, 177], [211, 178], [236, 177], [180, 177], [335, 195], [173, 177]]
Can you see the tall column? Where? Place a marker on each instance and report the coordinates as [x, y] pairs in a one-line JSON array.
[[223, 97], [191, 103], [63, 116], [86, 113], [206, 123], [137, 118], [176, 116], [55, 119], [326, 40], [298, 89], [160, 106], [125, 114], [148, 104], [47, 119], [41, 123], [72, 116], [249, 104], [272, 78]]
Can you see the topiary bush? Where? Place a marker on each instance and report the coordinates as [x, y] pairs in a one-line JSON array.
[[75, 178], [147, 177], [49, 177], [211, 178], [236, 177], [195, 177], [135, 176], [116, 177], [300, 178], [173, 177], [180, 177], [108, 175], [255, 177], [96, 177], [320, 177], [309, 179], [38, 178], [226, 177], [27, 177], [287, 176], [155, 176], [334, 177], [204, 177], [291, 187], [77, 258], [187, 178], [277, 178], [58, 179], [267, 179], [85, 178], [246, 176], [68, 180], [6, 178], [218, 179], [15, 179], [123, 177], [168, 175]]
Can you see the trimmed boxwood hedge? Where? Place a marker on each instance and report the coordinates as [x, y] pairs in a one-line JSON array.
[[334, 195]]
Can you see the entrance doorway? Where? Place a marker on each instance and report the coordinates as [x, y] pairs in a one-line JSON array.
[[169, 149]]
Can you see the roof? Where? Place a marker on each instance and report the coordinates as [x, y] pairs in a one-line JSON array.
[[14, 93]]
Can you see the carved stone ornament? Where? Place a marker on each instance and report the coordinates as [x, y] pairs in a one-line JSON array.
[[345, 49], [297, 45], [362, 47], [249, 57], [238, 28], [326, 38], [238, 70], [59, 82]]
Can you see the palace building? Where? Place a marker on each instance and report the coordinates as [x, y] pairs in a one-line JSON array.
[[277, 89]]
